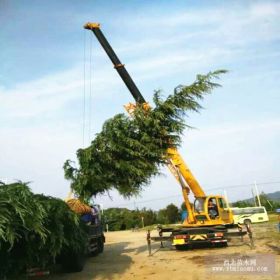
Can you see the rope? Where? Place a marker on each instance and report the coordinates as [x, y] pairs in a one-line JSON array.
[[84, 93], [87, 108], [90, 92]]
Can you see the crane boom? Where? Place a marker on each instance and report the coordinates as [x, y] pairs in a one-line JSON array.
[[198, 213], [95, 28], [175, 157]]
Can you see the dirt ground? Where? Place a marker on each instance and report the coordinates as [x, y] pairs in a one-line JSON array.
[[126, 257]]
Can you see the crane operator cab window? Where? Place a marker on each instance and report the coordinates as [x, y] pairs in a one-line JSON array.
[[213, 208], [199, 205]]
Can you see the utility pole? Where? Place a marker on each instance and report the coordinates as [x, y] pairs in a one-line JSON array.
[[101, 208], [226, 197], [269, 204], [254, 197], [257, 192]]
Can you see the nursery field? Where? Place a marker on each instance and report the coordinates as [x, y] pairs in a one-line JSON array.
[[126, 257]]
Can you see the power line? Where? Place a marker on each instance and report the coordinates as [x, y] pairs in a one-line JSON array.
[[176, 196], [247, 185], [150, 200]]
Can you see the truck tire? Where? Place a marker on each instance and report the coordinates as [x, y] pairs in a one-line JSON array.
[[100, 244], [73, 262]]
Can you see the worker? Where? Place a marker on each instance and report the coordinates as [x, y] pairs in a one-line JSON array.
[[87, 218], [212, 209], [94, 215]]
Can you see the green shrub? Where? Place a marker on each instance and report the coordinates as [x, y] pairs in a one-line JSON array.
[[34, 229]]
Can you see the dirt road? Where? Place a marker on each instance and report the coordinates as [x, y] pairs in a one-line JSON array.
[[126, 257]]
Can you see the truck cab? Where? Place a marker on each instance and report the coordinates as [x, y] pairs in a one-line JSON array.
[[91, 218]]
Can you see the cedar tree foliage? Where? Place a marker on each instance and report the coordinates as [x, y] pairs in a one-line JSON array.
[[34, 230], [130, 150]]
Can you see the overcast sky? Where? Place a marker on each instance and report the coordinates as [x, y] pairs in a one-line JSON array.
[[163, 44]]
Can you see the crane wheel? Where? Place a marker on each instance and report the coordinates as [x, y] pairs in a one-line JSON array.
[[181, 247]]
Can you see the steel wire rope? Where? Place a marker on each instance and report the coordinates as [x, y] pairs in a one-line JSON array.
[[90, 90], [84, 93]]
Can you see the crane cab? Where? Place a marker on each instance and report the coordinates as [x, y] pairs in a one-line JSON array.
[[210, 211]]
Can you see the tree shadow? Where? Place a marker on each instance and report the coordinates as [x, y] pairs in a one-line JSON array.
[[274, 248], [111, 263]]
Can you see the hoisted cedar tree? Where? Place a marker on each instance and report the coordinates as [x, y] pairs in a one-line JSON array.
[[129, 151]]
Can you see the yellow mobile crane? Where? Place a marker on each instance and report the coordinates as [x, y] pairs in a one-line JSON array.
[[209, 216]]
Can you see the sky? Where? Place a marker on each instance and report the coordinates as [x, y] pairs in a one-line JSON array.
[[50, 67]]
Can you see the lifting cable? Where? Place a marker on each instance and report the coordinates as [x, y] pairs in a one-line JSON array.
[[84, 94], [87, 92], [90, 91], [71, 194]]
